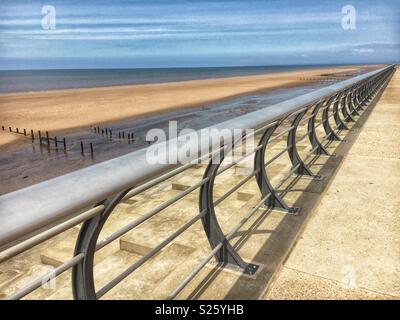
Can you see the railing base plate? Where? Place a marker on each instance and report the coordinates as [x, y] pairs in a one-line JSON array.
[[316, 177], [250, 271], [295, 211]]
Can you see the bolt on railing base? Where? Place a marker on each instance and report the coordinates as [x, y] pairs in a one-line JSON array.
[[295, 211], [250, 269], [276, 203]]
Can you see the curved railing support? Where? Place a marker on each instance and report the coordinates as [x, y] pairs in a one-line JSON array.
[[367, 94], [344, 104], [294, 156], [274, 201], [351, 103], [340, 125], [226, 255], [329, 132], [370, 93], [316, 145], [359, 100], [83, 287]]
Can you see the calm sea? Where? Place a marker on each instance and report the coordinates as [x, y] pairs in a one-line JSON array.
[[39, 80]]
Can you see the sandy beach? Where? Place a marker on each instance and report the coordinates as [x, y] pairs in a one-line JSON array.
[[73, 108]]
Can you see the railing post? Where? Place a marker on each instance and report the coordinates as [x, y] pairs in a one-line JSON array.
[[352, 101], [366, 93], [370, 92], [317, 147], [344, 103], [294, 156], [360, 100], [330, 133], [339, 123], [274, 201], [83, 287], [226, 255]]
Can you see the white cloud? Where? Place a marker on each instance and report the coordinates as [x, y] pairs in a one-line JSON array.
[[364, 50]]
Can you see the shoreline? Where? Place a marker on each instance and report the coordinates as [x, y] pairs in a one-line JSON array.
[[24, 162], [16, 141], [336, 69], [58, 110], [211, 77]]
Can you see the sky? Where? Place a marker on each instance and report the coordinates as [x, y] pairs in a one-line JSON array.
[[195, 33]]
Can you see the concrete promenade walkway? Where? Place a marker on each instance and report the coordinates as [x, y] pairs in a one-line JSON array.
[[350, 247]]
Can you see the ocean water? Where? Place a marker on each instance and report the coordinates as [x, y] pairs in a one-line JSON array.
[[40, 80]]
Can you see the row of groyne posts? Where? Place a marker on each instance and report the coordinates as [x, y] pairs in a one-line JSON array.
[[122, 135], [108, 133], [46, 140]]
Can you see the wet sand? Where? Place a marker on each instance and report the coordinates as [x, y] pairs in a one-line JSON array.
[[25, 162], [29, 162], [75, 108]]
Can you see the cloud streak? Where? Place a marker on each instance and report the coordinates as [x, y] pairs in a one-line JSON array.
[[265, 32]]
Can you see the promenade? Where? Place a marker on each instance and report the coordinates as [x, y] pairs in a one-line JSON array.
[[343, 244], [350, 249]]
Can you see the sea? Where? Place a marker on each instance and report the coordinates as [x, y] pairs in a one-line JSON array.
[[43, 80]]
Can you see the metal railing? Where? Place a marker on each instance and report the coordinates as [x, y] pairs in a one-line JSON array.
[[88, 196]]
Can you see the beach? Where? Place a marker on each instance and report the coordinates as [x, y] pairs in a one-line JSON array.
[[73, 108]]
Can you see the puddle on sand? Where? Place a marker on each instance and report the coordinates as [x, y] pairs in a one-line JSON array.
[[29, 163]]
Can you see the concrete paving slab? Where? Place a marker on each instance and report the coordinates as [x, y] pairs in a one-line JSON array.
[[297, 285]]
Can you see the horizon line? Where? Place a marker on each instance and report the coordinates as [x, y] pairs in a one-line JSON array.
[[205, 67]]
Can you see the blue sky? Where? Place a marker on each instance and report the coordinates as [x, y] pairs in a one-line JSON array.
[[168, 33]]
